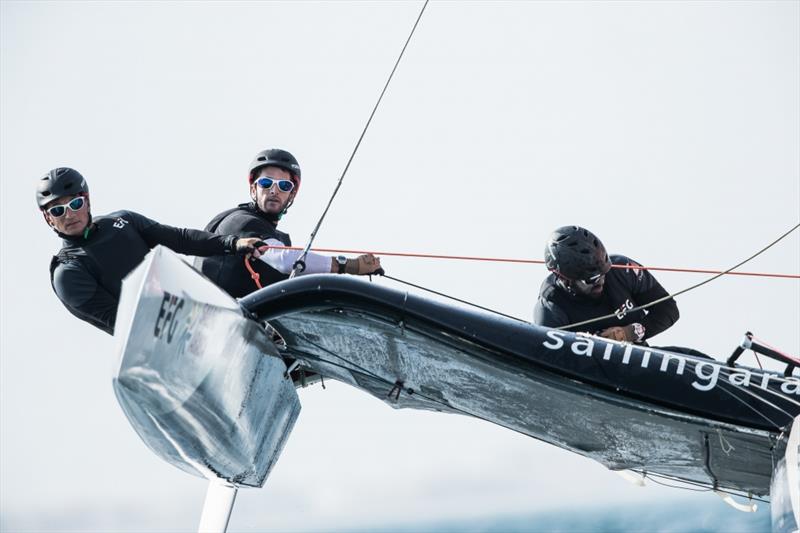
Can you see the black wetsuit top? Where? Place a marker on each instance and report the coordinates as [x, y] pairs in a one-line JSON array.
[[87, 272], [230, 273], [624, 289]]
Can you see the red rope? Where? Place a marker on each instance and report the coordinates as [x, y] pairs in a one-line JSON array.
[[786, 355], [534, 262], [253, 274]]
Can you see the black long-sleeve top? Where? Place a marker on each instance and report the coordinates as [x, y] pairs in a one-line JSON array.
[[229, 272], [87, 272], [625, 288]]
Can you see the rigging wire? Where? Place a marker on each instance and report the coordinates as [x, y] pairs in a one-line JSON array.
[[452, 298], [651, 475], [787, 356], [706, 487], [300, 263], [774, 424], [656, 481], [535, 262]]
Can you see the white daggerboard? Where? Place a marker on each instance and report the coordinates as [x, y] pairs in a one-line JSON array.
[[201, 384]]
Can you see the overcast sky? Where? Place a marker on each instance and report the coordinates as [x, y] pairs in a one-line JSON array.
[[671, 130]]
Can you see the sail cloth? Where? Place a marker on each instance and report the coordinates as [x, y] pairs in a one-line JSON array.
[[626, 406], [202, 385]]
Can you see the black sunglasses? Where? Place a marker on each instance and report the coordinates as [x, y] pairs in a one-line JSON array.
[[597, 279]]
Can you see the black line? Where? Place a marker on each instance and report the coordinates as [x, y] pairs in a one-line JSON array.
[[360, 138]]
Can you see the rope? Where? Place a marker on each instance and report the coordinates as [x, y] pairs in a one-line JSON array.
[[695, 286], [255, 276], [651, 475], [656, 481], [301, 260], [453, 298], [786, 355], [535, 262]]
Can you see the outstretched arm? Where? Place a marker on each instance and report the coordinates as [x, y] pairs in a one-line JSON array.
[[283, 261], [182, 240]]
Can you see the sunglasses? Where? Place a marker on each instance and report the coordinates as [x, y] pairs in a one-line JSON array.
[[595, 280], [283, 185], [76, 204]]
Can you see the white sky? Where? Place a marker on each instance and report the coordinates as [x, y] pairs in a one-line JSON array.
[[671, 129]]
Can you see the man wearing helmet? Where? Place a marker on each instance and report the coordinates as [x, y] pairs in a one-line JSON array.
[[273, 180], [98, 252], [582, 286]]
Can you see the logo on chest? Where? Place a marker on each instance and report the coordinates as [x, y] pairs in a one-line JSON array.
[[623, 309], [120, 223]]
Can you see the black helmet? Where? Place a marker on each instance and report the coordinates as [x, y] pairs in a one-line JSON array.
[[59, 182], [574, 253], [275, 157]]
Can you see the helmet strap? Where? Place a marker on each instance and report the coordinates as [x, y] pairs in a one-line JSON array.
[[286, 209], [564, 282]]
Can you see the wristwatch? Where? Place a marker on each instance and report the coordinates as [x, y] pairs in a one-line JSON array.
[[639, 331], [342, 262]]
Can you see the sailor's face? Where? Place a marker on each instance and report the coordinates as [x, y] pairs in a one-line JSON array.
[[71, 222], [272, 200]]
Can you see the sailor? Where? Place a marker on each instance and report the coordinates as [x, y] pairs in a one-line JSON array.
[[273, 181], [97, 252], [582, 286]]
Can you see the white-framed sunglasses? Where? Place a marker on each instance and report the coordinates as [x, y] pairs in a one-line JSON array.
[[283, 185], [76, 204]]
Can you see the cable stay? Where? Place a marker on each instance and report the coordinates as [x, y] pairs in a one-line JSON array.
[[299, 265]]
